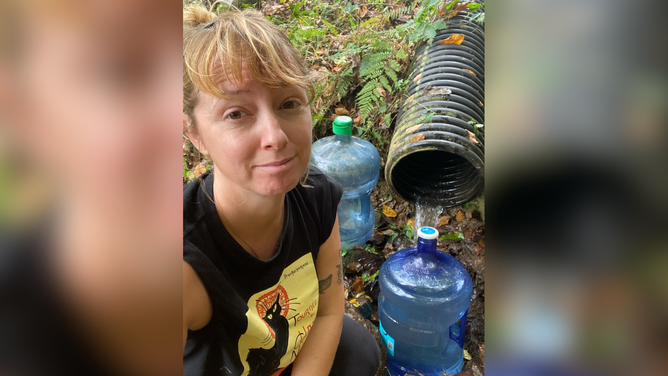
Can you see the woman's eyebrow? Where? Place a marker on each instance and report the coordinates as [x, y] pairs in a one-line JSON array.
[[237, 92]]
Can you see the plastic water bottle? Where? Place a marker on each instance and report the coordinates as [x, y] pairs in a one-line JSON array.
[[423, 302], [355, 164]]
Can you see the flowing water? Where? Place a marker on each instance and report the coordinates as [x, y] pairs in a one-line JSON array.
[[426, 214]]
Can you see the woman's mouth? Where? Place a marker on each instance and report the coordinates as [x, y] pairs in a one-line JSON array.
[[276, 165]]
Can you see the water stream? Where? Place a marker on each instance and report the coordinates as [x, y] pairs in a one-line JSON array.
[[426, 214]]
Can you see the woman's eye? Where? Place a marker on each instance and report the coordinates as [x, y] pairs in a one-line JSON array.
[[289, 105], [234, 115]]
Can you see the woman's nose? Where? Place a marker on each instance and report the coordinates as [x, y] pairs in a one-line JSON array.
[[273, 136]]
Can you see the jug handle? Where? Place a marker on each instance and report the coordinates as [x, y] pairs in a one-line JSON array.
[[462, 326]]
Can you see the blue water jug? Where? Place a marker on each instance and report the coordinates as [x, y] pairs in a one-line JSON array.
[[423, 302], [355, 164]]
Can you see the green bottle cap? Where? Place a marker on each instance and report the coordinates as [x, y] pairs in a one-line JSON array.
[[342, 125]]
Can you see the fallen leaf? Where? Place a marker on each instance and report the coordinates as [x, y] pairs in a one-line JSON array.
[[444, 220], [455, 10], [381, 91], [417, 78], [341, 110], [472, 137], [480, 103], [469, 214], [358, 119], [418, 137], [363, 11], [470, 71], [467, 356], [459, 216], [317, 104], [411, 222], [357, 285], [389, 212], [199, 170], [453, 39]]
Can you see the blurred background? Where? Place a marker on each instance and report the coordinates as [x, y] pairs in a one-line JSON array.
[[90, 190], [576, 188]]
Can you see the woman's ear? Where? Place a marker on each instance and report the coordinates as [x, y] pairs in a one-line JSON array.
[[193, 134]]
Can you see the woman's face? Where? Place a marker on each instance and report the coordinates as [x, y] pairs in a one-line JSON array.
[[258, 138]]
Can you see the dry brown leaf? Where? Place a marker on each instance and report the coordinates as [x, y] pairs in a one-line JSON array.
[[470, 71], [455, 9], [357, 285], [363, 11], [199, 170], [444, 220], [381, 91], [417, 78], [358, 119], [453, 39], [411, 222], [341, 110], [317, 104], [472, 137], [418, 137], [389, 212], [459, 216]]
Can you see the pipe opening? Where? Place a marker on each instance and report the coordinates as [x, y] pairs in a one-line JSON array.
[[438, 176]]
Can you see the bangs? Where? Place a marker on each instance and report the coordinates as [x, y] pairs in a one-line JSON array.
[[238, 42]]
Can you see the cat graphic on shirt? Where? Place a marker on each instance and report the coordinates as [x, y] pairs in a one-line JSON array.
[[266, 361]]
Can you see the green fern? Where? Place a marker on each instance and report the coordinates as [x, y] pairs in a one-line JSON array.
[[377, 71], [398, 11]]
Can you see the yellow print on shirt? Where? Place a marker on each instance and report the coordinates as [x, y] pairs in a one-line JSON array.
[[279, 320]]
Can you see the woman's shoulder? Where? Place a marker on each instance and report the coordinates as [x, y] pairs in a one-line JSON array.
[[320, 180], [193, 202], [321, 195], [320, 187]]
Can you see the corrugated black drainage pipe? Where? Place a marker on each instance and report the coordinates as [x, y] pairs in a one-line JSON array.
[[437, 152]]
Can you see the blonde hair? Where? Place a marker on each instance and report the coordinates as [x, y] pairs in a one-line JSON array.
[[217, 47]]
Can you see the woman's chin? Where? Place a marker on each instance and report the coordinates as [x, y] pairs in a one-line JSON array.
[[276, 185]]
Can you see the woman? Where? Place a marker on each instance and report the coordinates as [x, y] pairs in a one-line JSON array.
[[262, 273]]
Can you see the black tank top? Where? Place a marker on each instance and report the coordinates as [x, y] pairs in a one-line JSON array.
[[262, 310]]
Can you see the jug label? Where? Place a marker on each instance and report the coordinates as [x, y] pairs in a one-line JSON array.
[[387, 339]]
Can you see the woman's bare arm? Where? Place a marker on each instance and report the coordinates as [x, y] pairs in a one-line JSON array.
[[197, 308], [317, 354]]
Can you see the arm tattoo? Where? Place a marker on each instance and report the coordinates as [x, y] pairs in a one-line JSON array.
[[325, 283], [339, 275], [339, 278]]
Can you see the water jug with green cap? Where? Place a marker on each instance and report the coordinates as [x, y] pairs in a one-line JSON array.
[[355, 164]]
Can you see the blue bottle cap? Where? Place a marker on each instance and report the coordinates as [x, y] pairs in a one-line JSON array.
[[427, 233]]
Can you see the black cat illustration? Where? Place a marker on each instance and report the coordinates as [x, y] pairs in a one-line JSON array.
[[264, 362]]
